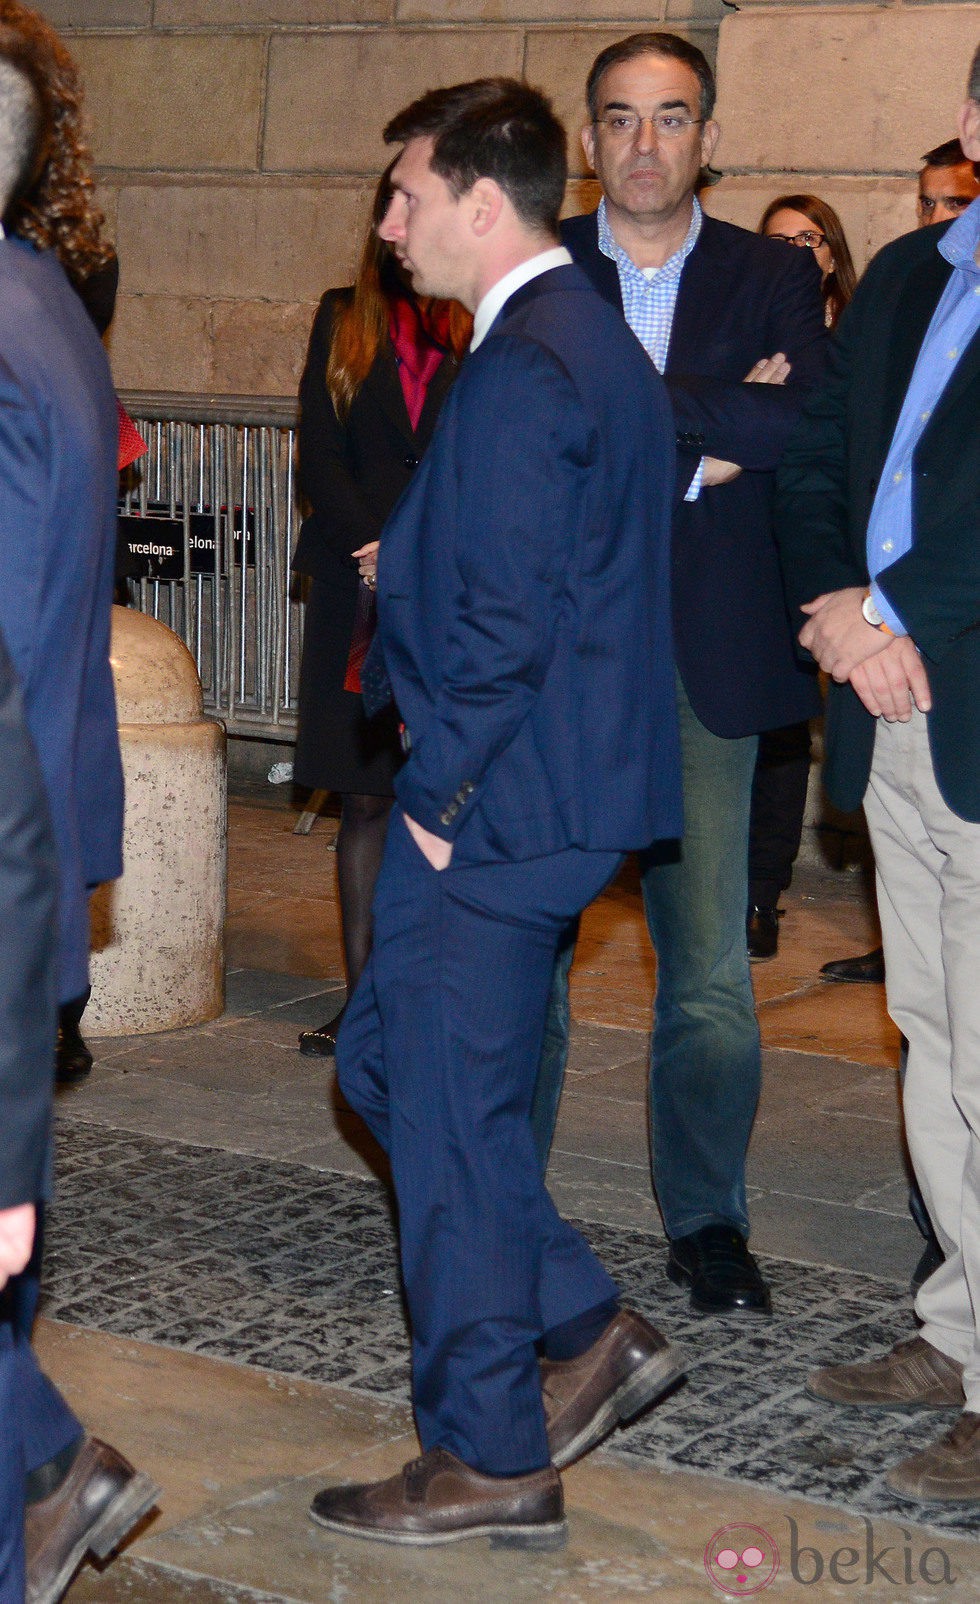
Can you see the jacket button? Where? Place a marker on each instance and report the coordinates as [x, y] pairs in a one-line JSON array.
[[411, 462]]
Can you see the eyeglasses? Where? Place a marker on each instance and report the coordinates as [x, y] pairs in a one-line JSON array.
[[808, 240], [952, 203], [666, 124]]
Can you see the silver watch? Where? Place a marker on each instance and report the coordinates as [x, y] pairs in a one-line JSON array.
[[871, 614]]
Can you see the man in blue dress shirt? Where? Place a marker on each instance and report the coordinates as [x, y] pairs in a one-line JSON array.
[[880, 528]]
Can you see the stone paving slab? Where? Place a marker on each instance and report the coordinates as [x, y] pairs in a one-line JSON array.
[[277, 1265]]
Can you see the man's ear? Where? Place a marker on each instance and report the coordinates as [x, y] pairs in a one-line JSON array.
[[588, 144], [486, 200], [710, 135], [969, 128]]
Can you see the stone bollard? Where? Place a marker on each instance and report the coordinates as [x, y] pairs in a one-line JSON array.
[[158, 932]]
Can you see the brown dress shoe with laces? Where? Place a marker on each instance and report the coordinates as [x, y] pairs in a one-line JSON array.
[[629, 1366], [914, 1375], [948, 1471], [96, 1505], [438, 1499]]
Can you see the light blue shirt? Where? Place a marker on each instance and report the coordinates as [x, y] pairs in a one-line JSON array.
[[650, 298], [954, 323]]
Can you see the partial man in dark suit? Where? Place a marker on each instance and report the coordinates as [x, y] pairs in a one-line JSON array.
[[712, 305], [28, 957], [58, 439], [524, 618], [879, 518]]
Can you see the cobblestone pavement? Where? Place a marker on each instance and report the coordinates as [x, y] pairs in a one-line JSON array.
[[294, 1269]]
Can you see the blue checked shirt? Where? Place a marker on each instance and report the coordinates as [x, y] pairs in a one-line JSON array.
[[954, 324], [650, 298]]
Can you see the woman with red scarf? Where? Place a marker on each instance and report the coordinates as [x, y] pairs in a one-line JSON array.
[[380, 365]]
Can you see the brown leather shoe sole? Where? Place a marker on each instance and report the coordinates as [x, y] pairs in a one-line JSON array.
[[635, 1394], [542, 1539], [115, 1523]]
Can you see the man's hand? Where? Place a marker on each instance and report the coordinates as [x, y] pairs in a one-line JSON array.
[[16, 1240], [839, 635], [890, 683], [768, 370], [433, 847]]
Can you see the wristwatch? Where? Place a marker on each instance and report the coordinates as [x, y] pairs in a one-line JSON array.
[[872, 616]]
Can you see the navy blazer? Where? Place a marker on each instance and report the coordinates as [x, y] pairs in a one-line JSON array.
[[741, 297], [59, 435], [827, 488], [523, 591]]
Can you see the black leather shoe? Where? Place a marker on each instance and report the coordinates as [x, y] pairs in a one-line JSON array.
[[762, 933], [867, 970], [322, 1042], [72, 1059], [720, 1271]]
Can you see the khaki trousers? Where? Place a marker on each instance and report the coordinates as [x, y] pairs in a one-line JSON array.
[[928, 868]]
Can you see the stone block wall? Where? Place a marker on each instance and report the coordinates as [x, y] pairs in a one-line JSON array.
[[840, 101], [238, 145], [238, 141]]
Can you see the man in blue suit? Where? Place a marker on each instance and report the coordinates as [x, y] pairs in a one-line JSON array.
[[525, 622], [58, 436], [714, 306]]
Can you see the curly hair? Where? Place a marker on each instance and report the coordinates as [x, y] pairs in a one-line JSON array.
[[58, 211]]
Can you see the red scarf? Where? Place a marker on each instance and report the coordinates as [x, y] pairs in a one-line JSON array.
[[420, 337]]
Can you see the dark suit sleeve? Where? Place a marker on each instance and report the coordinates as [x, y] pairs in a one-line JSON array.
[[343, 520], [522, 443], [28, 878], [818, 549], [751, 423], [25, 448]]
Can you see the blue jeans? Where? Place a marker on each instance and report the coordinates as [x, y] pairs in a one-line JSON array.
[[705, 1064]]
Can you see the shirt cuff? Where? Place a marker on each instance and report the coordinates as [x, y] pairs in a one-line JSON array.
[[694, 488], [887, 612]]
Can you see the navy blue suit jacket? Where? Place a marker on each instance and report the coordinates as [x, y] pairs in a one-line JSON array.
[[59, 434], [523, 591], [741, 297]]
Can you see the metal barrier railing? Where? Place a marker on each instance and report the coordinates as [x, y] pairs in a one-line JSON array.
[[208, 522]]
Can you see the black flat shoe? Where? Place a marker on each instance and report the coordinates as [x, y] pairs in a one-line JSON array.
[[866, 970], [322, 1042], [719, 1269], [762, 933], [72, 1059]]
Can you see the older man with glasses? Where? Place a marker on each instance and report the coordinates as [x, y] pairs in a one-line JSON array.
[[713, 305]]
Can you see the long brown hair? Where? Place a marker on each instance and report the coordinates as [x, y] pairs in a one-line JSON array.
[[360, 327], [841, 281], [58, 211]]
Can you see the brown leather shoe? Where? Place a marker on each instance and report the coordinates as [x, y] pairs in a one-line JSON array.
[[914, 1375], [438, 1499], [625, 1370], [96, 1505], [948, 1471]]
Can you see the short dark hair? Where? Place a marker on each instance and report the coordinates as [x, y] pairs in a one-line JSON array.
[[949, 154], [670, 45], [495, 128], [24, 126]]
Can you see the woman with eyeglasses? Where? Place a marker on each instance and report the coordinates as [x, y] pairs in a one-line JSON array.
[[808, 222], [783, 765]]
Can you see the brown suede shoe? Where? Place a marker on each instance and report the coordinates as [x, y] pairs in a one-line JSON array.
[[627, 1368], [438, 1499], [946, 1472], [96, 1505], [914, 1375]]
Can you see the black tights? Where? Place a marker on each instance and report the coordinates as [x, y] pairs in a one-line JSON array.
[[360, 844]]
